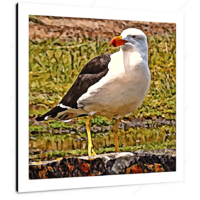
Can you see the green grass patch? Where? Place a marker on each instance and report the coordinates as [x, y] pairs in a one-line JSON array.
[[78, 152], [54, 66]]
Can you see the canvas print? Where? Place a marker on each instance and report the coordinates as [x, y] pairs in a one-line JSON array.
[[102, 97]]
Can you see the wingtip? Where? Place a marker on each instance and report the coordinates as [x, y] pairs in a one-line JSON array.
[[39, 119]]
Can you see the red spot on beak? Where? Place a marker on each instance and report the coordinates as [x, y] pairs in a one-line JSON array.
[[113, 42], [117, 41]]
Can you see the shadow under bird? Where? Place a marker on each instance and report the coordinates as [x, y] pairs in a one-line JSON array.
[[110, 85]]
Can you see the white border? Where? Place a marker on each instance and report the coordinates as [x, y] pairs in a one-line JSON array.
[[26, 185]]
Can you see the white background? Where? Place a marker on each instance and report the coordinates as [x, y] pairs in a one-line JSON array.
[[169, 190], [54, 184]]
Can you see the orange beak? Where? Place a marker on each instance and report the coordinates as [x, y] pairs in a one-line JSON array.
[[117, 41]]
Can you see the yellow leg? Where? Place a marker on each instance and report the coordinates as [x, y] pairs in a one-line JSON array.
[[115, 129], [90, 146]]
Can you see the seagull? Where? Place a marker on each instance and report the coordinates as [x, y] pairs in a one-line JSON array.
[[110, 85]]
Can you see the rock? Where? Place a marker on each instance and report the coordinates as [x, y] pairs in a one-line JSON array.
[[163, 121], [121, 125], [82, 129], [96, 129], [173, 122], [106, 164], [121, 163]]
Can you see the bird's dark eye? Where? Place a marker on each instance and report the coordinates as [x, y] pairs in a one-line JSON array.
[[133, 36]]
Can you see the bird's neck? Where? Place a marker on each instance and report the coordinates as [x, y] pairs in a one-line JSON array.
[[126, 59], [131, 60]]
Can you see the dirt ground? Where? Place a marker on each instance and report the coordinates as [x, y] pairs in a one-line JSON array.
[[64, 28]]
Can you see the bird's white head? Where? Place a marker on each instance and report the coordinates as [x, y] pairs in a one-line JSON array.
[[132, 40]]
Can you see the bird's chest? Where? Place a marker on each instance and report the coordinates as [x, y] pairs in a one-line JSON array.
[[126, 93], [133, 84]]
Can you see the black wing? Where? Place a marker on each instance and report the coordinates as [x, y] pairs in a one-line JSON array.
[[91, 73]]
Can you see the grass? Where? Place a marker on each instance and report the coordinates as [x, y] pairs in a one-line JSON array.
[[50, 155], [54, 66], [132, 139]]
